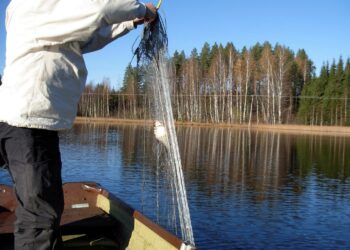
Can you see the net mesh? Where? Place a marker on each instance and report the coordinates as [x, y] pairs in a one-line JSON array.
[[154, 71]]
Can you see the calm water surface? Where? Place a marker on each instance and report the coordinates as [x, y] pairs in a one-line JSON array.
[[246, 189]]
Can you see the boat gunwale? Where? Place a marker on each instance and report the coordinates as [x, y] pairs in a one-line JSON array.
[[157, 229], [92, 190]]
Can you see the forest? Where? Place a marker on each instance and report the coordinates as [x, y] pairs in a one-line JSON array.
[[262, 84], [220, 84], [324, 99]]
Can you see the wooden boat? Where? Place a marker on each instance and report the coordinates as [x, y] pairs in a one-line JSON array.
[[95, 219]]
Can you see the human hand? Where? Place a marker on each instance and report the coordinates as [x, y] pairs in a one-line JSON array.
[[138, 21], [151, 13], [150, 16]]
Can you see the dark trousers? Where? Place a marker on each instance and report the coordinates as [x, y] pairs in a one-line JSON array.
[[34, 162]]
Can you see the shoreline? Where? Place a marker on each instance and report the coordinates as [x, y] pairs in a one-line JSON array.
[[282, 128]]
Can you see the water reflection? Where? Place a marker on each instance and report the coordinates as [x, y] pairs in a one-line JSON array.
[[246, 189], [231, 157], [219, 159]]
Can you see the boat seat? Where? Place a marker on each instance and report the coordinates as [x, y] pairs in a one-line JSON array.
[[77, 242], [72, 242], [93, 232], [81, 229]]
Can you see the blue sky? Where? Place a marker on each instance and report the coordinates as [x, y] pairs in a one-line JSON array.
[[321, 27]]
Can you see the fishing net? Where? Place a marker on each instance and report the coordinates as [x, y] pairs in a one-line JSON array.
[[153, 44], [154, 72]]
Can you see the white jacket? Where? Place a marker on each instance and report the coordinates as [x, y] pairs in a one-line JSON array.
[[45, 72]]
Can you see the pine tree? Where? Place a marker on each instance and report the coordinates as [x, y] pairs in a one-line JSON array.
[[179, 61], [129, 81], [305, 65], [179, 65], [256, 51], [194, 54], [213, 52], [305, 102], [329, 104], [297, 82], [305, 70], [339, 101], [347, 92], [205, 60], [229, 50], [312, 98]]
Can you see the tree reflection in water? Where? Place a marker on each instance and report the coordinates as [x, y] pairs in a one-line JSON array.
[[251, 180]]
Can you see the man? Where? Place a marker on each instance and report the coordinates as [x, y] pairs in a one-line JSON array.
[[43, 79]]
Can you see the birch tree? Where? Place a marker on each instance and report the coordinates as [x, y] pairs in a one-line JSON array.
[[267, 81]]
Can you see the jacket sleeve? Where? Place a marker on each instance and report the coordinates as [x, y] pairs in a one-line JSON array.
[[105, 35], [77, 20], [118, 11]]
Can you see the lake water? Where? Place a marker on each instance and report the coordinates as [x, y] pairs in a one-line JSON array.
[[246, 189]]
